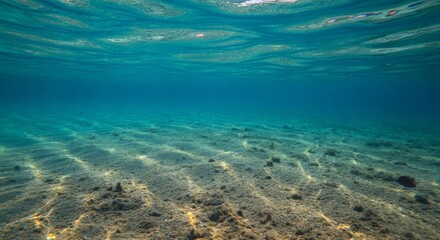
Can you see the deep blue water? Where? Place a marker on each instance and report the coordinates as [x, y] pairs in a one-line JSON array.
[[351, 54]]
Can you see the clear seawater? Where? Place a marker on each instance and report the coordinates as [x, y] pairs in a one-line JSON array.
[[204, 119]]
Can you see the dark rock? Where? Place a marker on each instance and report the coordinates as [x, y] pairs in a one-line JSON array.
[[154, 213], [268, 177], [211, 160], [217, 216], [422, 199], [106, 195], [216, 199], [296, 197], [118, 187], [400, 163], [16, 168], [276, 159], [240, 213], [410, 235], [269, 163], [378, 144], [223, 187], [330, 152], [195, 234], [49, 180], [358, 208], [95, 188], [314, 164], [302, 231], [355, 172], [406, 181], [264, 216]]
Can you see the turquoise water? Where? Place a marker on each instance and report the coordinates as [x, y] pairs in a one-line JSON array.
[[204, 119]]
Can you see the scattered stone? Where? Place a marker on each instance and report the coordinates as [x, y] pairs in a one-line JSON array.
[[216, 199], [223, 187], [422, 199], [406, 181], [217, 216], [378, 144], [154, 213], [211, 160], [264, 216], [16, 168], [302, 231], [330, 152], [195, 234], [240, 213], [410, 235], [49, 180], [400, 163], [355, 172], [276, 159], [106, 195], [269, 163], [268, 177], [314, 164], [296, 197], [358, 208], [118, 187]]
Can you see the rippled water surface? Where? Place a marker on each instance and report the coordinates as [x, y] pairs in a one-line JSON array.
[[209, 39]]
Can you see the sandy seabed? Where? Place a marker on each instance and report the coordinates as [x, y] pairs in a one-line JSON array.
[[87, 175]]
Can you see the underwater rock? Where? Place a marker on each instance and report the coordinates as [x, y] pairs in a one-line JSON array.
[[154, 213], [406, 181], [216, 199], [300, 232], [49, 180], [355, 172], [240, 213], [211, 160], [378, 144], [314, 164], [358, 208], [264, 216], [16, 168], [269, 163], [422, 199], [275, 159], [118, 187], [400, 163], [296, 197], [218, 215], [195, 234], [330, 152], [268, 177]]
